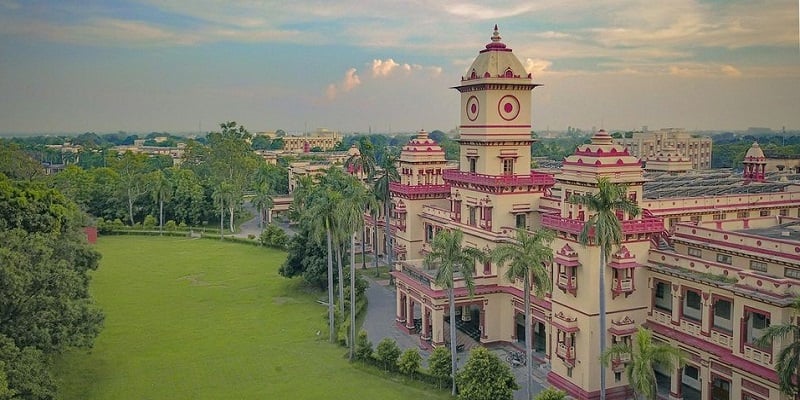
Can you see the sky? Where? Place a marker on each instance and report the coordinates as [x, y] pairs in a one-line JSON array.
[[184, 66]]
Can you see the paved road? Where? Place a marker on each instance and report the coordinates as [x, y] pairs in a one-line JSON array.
[[379, 323]]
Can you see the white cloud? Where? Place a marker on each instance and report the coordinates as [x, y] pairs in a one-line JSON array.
[[385, 68], [730, 70], [350, 81], [536, 66]]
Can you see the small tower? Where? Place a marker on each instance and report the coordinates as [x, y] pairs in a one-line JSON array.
[[755, 164]]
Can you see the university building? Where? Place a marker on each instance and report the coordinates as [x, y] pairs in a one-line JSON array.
[[646, 145], [712, 260]]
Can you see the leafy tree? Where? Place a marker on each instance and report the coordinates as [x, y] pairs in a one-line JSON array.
[[16, 164], [363, 346], [449, 258], [645, 356], [263, 202], [387, 352], [131, 168], [605, 230], [306, 257], [486, 377], [260, 143], [149, 222], [528, 256], [788, 363], [188, 199], [45, 306], [274, 236], [276, 144], [551, 394], [440, 364], [409, 362]]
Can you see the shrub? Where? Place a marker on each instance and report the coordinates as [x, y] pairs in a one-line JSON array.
[[363, 346], [251, 236], [182, 225], [440, 365], [387, 352], [149, 222], [118, 224], [485, 377], [550, 394], [409, 362], [274, 236], [170, 226]]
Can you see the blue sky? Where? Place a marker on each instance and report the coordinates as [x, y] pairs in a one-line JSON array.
[[186, 65]]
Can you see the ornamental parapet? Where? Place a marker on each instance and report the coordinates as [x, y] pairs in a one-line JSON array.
[[418, 190], [533, 179], [629, 227]]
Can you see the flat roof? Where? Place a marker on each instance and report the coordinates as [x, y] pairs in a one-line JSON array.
[[717, 182]]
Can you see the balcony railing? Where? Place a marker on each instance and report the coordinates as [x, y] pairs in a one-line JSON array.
[[418, 189], [622, 285], [618, 363], [722, 339], [629, 227], [757, 355], [662, 317], [534, 179], [565, 282], [690, 327], [566, 353]]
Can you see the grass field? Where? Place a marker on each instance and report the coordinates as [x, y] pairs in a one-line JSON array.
[[200, 319]]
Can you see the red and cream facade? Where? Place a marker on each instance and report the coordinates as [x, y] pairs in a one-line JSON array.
[[682, 270]]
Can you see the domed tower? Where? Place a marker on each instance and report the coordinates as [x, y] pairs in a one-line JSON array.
[[755, 163], [495, 143], [421, 164], [576, 270]]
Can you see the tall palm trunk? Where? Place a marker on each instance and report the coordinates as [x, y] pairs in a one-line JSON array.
[[353, 294], [363, 248], [230, 221], [161, 217], [602, 288], [388, 237], [375, 246], [222, 222], [528, 336], [331, 327], [340, 270], [453, 360]]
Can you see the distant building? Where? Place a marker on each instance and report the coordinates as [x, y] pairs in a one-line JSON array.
[[322, 138], [646, 145]]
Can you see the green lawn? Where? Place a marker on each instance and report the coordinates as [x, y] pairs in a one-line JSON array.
[[200, 319]]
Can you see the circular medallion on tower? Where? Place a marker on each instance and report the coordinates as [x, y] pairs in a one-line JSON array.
[[473, 108], [508, 107]]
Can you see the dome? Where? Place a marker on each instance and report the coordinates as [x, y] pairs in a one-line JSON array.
[[496, 61], [754, 152]]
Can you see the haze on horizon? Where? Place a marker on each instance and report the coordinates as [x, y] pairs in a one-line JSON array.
[[183, 66]]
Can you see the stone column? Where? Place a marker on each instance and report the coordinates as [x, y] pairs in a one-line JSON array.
[[465, 315], [410, 314], [426, 320], [482, 317], [676, 384], [705, 328], [401, 306], [437, 319], [677, 303]]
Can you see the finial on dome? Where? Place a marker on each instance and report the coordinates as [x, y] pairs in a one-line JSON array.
[[496, 43]]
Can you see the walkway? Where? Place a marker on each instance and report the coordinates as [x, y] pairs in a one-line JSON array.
[[380, 323]]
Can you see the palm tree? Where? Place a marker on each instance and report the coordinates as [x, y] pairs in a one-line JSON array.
[[645, 356], [788, 363], [528, 256], [322, 211], [606, 230], [263, 202], [220, 197], [381, 179], [364, 163], [450, 258], [162, 191], [350, 219]]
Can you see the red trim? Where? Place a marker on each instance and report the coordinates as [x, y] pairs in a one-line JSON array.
[[724, 355]]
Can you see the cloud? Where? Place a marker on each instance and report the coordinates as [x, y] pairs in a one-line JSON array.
[[385, 68], [535, 66], [730, 70], [494, 12], [350, 81]]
